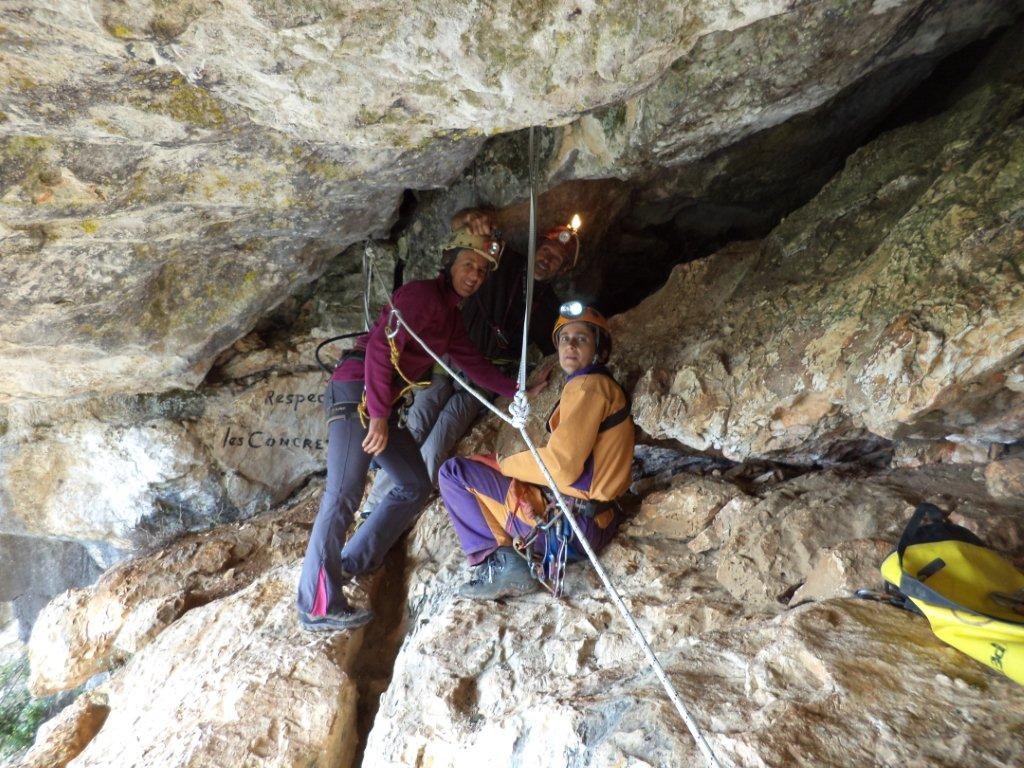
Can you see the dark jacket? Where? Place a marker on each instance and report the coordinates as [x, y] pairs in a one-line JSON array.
[[494, 314]]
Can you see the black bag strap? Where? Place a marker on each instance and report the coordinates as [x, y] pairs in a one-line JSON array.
[[616, 418], [928, 524]]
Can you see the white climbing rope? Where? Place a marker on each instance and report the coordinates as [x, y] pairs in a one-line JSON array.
[[613, 593], [367, 271], [520, 409], [395, 320], [520, 406]]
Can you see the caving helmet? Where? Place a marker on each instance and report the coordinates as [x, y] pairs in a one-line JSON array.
[[567, 238], [488, 246], [578, 312]]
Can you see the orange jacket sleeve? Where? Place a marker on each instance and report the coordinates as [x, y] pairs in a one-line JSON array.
[[580, 411]]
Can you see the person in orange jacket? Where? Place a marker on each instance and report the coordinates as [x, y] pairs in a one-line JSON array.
[[589, 454]]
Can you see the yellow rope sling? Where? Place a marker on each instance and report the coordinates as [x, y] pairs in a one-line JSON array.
[[410, 385]]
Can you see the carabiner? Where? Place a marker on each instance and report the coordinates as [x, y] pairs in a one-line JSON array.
[[392, 330]]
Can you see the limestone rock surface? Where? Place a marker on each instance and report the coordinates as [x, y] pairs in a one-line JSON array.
[[773, 548], [173, 170], [36, 570], [1005, 478], [686, 508], [744, 127], [742, 84], [12, 647], [545, 682], [62, 739], [130, 472], [816, 686], [235, 682], [842, 570], [889, 307], [270, 434], [216, 670], [86, 631], [94, 481]]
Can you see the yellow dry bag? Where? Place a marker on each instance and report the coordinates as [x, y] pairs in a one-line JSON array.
[[972, 597]]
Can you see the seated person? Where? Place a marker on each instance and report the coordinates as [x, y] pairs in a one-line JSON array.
[[589, 455]]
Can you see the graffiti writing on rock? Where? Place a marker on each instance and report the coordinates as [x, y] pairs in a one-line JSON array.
[[293, 399], [257, 438]]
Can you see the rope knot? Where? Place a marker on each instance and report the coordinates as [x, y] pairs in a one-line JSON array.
[[520, 410]]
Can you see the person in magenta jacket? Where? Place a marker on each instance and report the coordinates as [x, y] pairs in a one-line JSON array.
[[366, 380]]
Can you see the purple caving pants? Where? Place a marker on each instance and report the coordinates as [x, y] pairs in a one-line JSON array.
[[487, 509], [328, 557]]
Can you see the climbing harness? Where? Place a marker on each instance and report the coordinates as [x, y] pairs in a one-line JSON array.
[[406, 393], [519, 411], [340, 411], [548, 564]]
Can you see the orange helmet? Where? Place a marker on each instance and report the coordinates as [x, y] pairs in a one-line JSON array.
[[568, 239], [577, 311]]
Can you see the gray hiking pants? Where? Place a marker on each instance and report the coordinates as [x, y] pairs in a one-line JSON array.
[[440, 415], [329, 559]]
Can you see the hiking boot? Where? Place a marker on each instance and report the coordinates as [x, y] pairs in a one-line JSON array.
[[335, 622], [348, 617], [503, 574]]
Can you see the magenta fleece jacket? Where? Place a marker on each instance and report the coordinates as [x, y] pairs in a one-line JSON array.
[[431, 307]]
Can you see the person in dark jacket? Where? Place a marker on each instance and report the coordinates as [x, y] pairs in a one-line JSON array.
[[361, 402]]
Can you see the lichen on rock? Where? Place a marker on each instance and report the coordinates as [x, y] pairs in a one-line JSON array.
[[890, 303]]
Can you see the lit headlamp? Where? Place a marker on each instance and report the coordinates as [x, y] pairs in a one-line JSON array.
[[570, 230], [578, 312], [572, 309]]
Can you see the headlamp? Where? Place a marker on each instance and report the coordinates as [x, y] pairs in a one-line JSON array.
[[571, 309]]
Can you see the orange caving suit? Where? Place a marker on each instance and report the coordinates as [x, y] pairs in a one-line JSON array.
[[589, 455]]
